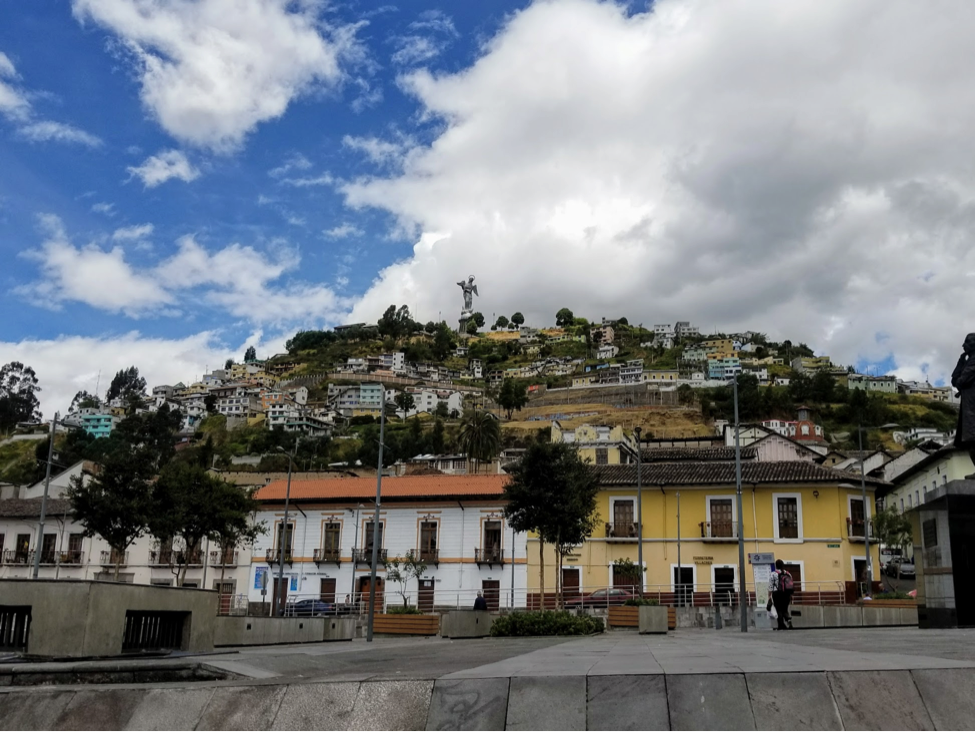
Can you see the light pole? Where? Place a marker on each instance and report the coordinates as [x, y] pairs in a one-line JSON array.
[[39, 544], [678, 585], [375, 520], [868, 571], [639, 505], [355, 544], [281, 588], [743, 597]]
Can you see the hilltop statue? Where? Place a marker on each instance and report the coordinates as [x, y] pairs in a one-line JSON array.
[[468, 287], [963, 379]]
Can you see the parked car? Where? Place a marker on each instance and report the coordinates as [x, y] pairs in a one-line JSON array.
[[906, 567], [308, 609], [601, 598]]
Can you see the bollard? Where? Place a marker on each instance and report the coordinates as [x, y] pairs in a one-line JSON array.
[[717, 618]]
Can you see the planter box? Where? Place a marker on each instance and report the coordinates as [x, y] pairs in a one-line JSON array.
[[653, 619], [623, 616], [467, 624], [406, 624], [339, 629], [244, 631]]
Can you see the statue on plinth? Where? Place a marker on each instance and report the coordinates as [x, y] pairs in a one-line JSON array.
[[963, 379], [470, 289]]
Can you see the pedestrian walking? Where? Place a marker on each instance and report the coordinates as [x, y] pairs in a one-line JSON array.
[[479, 602], [781, 588]]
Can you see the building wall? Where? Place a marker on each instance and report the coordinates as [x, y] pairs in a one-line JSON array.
[[908, 493], [824, 552], [457, 578]]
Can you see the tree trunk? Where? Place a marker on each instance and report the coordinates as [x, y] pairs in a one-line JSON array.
[[541, 571], [558, 570], [118, 564]]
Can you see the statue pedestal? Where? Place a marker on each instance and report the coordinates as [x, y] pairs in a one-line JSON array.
[[462, 327]]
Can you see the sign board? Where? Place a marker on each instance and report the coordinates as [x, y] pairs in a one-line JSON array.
[[832, 546], [762, 566], [294, 583], [703, 560], [761, 558], [260, 578]]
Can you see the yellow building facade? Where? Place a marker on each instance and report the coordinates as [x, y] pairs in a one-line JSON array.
[[597, 444], [809, 516]]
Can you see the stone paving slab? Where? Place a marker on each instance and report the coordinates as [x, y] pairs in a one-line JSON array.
[[242, 707], [325, 706], [627, 703], [879, 700], [176, 709], [41, 712], [947, 695], [707, 702], [547, 703], [792, 701], [469, 704], [100, 709], [391, 705]]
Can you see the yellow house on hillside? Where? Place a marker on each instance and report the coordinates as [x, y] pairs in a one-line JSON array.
[[811, 517], [597, 445]]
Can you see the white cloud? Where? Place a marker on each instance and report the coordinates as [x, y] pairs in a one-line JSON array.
[[13, 102], [379, 151], [742, 164], [430, 35], [47, 131], [325, 179], [212, 70], [106, 209], [293, 162], [164, 166], [68, 364], [343, 231], [132, 233]]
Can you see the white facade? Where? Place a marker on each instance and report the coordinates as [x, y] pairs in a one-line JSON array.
[[942, 467]]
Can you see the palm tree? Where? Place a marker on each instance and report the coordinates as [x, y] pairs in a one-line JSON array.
[[480, 436]]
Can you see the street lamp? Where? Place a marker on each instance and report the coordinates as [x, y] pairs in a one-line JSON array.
[[639, 505], [743, 597], [39, 544], [278, 607], [375, 522]]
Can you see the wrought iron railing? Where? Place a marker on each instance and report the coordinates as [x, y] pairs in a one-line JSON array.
[[720, 530], [332, 556], [364, 556], [491, 555], [623, 530], [112, 558], [273, 556], [223, 559]]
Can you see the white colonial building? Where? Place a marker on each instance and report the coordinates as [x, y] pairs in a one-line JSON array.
[[453, 523]]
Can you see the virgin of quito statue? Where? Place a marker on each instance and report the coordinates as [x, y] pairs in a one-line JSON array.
[[963, 379], [470, 289]]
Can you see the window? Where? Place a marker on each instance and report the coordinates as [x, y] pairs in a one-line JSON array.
[[428, 540], [917, 498], [722, 517], [368, 536], [787, 510], [602, 456], [47, 548], [909, 501], [902, 505], [2, 539], [857, 516], [622, 517], [22, 548], [929, 529], [289, 537], [331, 537], [492, 539]]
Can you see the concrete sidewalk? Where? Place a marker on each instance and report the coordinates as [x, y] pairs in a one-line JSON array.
[[822, 679]]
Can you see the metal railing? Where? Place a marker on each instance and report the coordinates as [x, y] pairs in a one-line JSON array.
[[430, 556], [16, 556], [490, 556], [48, 557], [273, 556], [111, 558], [176, 557], [330, 556], [73, 556], [364, 556], [223, 559], [232, 604], [152, 631], [14, 628], [855, 528], [719, 530], [624, 530]]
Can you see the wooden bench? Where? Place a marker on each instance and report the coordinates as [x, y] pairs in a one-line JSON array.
[[628, 616], [406, 624]]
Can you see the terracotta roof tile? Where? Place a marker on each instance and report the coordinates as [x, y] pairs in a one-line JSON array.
[[403, 487], [31, 507], [679, 454], [723, 473]]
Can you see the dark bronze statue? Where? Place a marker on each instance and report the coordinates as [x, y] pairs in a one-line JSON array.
[[963, 379]]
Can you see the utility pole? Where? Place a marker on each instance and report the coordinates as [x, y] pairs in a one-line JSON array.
[[639, 505], [375, 521], [39, 543], [742, 595], [282, 588], [680, 570], [868, 572]]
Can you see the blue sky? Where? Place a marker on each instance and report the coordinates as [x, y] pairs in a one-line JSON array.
[[180, 180]]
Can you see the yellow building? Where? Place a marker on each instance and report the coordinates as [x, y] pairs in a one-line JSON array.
[[597, 445], [809, 516]]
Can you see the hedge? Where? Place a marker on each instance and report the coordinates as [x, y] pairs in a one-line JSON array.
[[545, 622]]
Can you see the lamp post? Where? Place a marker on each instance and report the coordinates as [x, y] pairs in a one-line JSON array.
[[278, 606], [743, 597], [868, 571], [355, 544], [39, 544], [679, 585], [375, 521], [639, 505]]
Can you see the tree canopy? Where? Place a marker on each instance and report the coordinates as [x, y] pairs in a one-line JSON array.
[[250, 354], [512, 396], [126, 384], [480, 436], [564, 318], [18, 395], [518, 319]]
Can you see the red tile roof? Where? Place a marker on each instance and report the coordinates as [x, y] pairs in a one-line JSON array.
[[722, 473], [404, 487]]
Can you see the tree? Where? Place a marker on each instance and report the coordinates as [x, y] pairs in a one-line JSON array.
[[502, 322], [228, 364], [190, 504], [18, 395], [479, 319], [471, 327], [822, 387], [430, 327], [513, 396], [210, 403], [480, 436], [564, 318], [442, 411], [405, 403], [250, 354], [625, 569], [553, 493], [402, 570], [893, 531], [126, 384], [518, 319], [443, 341], [84, 400], [685, 395], [437, 441], [396, 322]]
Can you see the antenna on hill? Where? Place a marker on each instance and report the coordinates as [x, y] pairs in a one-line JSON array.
[[98, 381]]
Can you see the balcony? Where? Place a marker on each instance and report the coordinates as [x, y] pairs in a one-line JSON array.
[[175, 558], [112, 558], [627, 531], [854, 529], [327, 556], [364, 556], [719, 531], [272, 556], [223, 559], [430, 556], [72, 557], [48, 557], [490, 557], [16, 556]]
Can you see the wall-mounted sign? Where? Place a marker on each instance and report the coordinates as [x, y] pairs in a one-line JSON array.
[[703, 560], [761, 558], [832, 546]]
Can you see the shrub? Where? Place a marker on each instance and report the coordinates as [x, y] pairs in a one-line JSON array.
[[402, 610], [892, 595], [637, 601], [545, 622]]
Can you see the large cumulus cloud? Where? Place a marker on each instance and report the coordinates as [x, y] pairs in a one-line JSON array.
[[801, 168]]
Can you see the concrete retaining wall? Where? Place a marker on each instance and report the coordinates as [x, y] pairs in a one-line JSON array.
[[466, 624], [83, 618], [920, 699], [234, 631]]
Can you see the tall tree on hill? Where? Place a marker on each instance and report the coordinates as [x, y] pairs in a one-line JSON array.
[[18, 395], [513, 396], [84, 400], [250, 354], [564, 318], [405, 402], [822, 388], [553, 493], [126, 382], [518, 319], [501, 323], [443, 341], [480, 437], [396, 322]]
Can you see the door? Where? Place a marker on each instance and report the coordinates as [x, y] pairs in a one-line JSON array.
[[279, 591], [225, 595], [796, 571], [425, 596], [364, 593], [724, 585], [326, 592], [860, 575], [492, 593], [683, 585], [22, 548], [570, 583]]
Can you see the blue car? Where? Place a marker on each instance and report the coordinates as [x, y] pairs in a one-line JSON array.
[[309, 609]]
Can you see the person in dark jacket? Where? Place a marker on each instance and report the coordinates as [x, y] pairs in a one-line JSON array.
[[479, 602], [780, 596], [963, 379]]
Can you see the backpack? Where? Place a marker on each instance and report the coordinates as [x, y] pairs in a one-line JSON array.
[[785, 582]]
